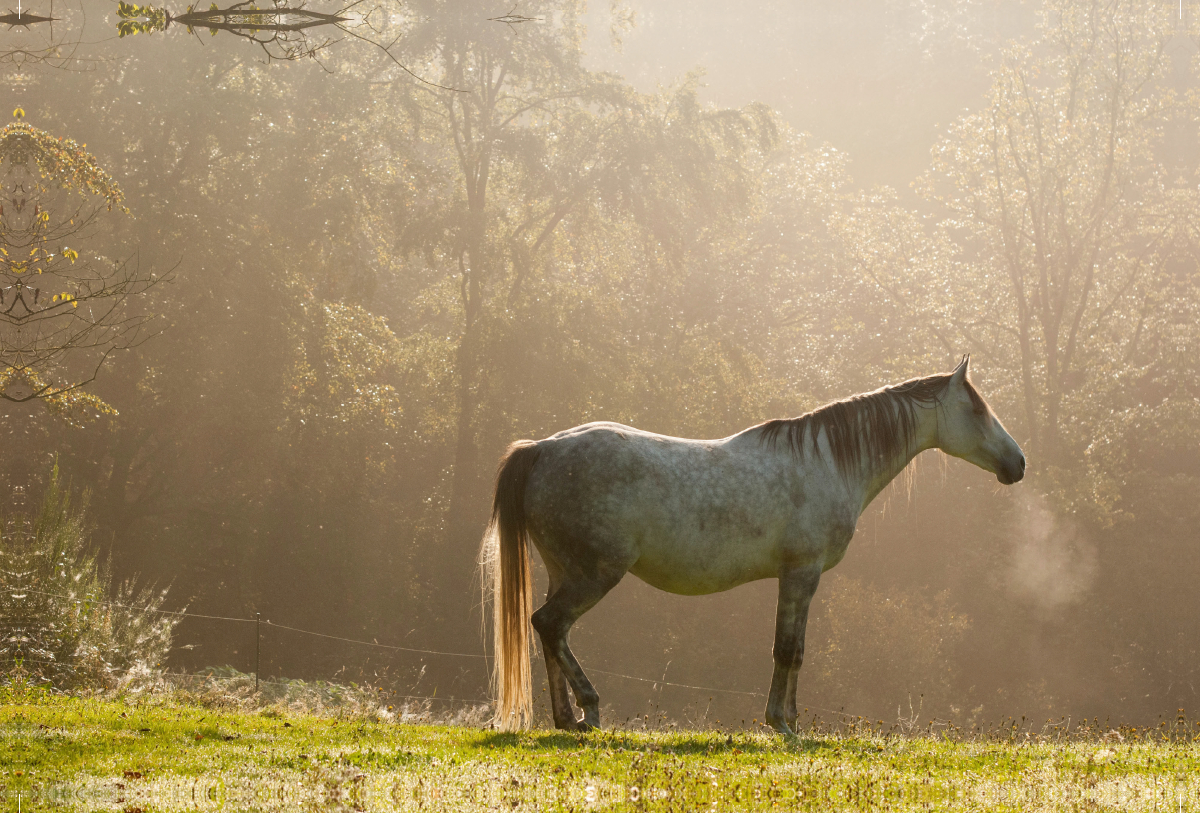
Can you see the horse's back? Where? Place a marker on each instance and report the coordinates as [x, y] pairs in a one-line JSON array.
[[609, 458], [607, 428]]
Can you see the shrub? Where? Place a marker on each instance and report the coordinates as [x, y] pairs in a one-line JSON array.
[[62, 621]]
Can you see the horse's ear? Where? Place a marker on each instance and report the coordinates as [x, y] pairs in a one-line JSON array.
[[960, 372]]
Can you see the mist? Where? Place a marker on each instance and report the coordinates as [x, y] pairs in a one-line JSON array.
[[358, 262]]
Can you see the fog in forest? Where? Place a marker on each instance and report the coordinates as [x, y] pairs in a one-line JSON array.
[[312, 281]]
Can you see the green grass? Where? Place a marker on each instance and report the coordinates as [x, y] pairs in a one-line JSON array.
[[162, 754]]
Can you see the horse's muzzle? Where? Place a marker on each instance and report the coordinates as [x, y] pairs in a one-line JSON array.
[[1010, 473]]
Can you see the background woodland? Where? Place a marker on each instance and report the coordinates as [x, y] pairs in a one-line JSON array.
[[377, 284]]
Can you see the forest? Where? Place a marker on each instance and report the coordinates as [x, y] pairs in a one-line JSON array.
[[338, 270]]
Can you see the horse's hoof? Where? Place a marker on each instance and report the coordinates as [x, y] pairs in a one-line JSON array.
[[574, 725], [781, 727]]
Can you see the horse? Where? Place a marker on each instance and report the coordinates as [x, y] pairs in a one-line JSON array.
[[778, 500]]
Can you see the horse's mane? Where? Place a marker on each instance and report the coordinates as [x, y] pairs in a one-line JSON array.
[[872, 427]]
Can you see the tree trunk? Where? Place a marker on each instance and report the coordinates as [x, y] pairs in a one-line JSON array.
[[468, 505]]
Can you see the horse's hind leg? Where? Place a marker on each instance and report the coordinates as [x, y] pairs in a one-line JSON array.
[[553, 621], [560, 697]]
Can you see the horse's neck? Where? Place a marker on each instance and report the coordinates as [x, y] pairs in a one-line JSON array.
[[876, 476]]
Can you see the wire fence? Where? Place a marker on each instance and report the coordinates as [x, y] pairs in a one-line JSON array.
[[414, 650], [846, 718]]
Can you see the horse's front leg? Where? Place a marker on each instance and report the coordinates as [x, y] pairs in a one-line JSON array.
[[796, 588], [789, 711]]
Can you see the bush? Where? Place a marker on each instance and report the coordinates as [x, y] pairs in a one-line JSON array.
[[62, 622]]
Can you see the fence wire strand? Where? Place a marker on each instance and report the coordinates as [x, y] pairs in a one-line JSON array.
[[185, 614]]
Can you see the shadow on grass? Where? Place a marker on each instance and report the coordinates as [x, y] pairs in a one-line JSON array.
[[678, 743]]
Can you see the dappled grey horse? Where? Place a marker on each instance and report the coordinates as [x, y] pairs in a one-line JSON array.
[[778, 500]]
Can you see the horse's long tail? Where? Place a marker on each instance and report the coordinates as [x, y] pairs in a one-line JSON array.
[[506, 571]]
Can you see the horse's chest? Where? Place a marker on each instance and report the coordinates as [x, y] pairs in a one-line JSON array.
[[836, 545]]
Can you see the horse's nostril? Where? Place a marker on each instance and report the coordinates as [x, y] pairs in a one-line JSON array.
[[1022, 462]]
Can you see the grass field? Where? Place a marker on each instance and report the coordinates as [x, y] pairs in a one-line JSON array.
[[160, 754]]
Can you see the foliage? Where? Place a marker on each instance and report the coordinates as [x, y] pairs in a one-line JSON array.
[[62, 162], [282, 31], [137, 19], [345, 356], [64, 623], [49, 347]]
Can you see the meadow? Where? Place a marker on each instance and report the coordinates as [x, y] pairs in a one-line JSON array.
[[162, 753]]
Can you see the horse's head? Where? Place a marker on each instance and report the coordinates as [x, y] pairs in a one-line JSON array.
[[968, 428]]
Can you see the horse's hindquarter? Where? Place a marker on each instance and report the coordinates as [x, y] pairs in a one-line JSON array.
[[686, 516]]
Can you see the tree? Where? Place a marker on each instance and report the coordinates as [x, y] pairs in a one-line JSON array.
[[539, 146], [1054, 192], [62, 313], [282, 31], [500, 80]]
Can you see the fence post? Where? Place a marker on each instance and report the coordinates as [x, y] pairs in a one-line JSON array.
[[257, 646]]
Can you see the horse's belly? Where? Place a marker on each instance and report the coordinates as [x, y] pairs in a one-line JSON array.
[[694, 570]]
